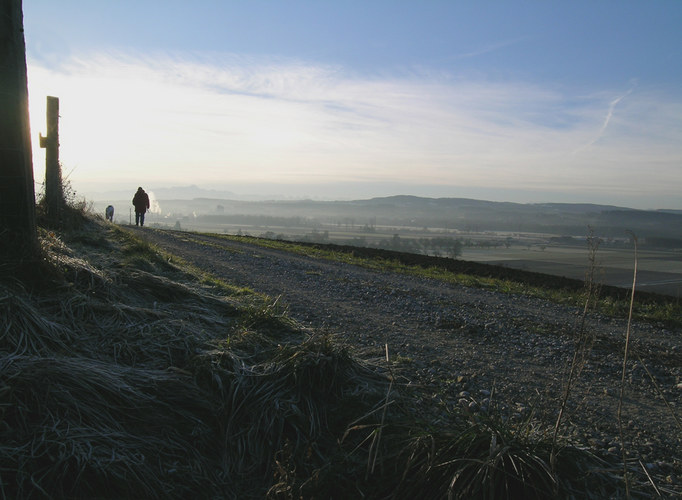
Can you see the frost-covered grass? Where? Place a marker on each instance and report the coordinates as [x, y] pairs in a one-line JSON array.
[[125, 373]]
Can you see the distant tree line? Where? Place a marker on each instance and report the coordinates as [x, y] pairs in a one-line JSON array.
[[259, 220], [438, 246], [663, 243]]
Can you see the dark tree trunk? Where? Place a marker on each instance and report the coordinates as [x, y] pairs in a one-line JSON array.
[[17, 196]]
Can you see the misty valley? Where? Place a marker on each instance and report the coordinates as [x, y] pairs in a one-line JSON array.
[[546, 238]]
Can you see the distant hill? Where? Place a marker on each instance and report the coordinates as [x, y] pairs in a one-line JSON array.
[[479, 215], [463, 214]]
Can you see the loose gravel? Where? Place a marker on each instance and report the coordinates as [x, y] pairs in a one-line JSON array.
[[475, 348]]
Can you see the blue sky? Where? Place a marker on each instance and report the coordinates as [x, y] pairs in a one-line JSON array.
[[523, 101]]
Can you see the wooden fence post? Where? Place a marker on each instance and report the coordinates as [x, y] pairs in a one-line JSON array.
[[54, 196], [18, 234]]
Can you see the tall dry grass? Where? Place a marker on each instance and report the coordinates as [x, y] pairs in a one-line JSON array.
[[121, 377]]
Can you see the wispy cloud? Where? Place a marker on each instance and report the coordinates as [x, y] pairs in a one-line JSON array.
[[228, 119]]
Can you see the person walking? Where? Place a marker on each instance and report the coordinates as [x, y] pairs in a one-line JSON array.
[[141, 203]]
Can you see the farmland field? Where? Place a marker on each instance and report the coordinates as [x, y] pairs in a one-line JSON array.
[[657, 271], [550, 252]]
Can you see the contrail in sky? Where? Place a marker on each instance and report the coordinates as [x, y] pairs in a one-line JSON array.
[[609, 114], [612, 106]]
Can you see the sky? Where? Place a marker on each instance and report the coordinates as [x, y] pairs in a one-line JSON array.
[[523, 101]]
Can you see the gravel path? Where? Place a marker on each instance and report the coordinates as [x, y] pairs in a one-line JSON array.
[[473, 347]]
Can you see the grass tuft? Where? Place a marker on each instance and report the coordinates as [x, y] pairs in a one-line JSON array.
[[130, 375]]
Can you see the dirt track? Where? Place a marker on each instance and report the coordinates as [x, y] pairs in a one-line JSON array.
[[471, 347]]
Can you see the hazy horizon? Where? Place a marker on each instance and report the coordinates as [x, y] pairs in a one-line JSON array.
[[330, 193], [525, 102]]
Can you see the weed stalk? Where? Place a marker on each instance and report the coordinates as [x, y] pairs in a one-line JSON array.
[[583, 340], [625, 364]]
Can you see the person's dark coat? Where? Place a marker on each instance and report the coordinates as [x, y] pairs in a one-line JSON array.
[[141, 201]]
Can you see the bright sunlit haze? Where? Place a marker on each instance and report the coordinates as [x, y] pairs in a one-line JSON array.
[[515, 101]]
